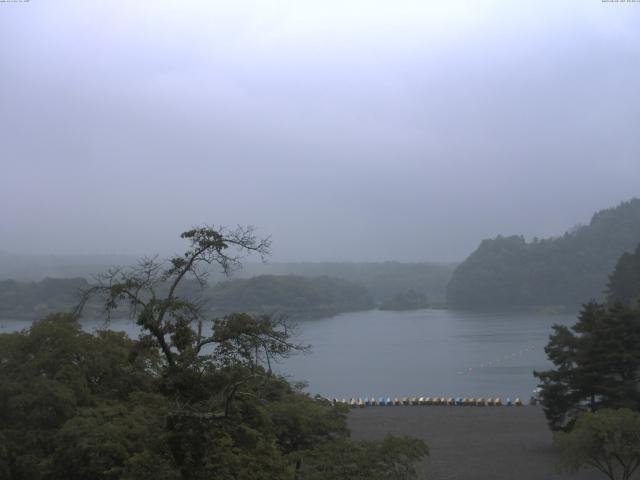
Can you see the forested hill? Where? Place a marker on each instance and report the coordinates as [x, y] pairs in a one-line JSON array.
[[383, 280], [34, 300], [278, 294], [289, 295], [509, 272]]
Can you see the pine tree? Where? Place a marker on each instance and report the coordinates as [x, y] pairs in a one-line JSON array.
[[597, 364]]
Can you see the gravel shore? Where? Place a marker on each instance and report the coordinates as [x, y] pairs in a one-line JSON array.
[[471, 443]]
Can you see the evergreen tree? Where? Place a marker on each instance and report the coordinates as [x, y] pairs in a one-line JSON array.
[[597, 364], [624, 282]]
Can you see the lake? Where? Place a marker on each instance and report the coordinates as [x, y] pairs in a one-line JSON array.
[[421, 353]]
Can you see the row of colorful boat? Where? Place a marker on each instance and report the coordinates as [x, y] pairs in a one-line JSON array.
[[451, 401]]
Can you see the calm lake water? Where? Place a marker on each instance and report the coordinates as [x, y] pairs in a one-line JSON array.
[[422, 353]]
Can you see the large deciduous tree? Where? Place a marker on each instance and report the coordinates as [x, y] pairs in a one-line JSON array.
[[151, 289], [227, 416], [192, 398]]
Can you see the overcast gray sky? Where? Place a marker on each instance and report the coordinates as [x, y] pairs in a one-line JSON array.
[[347, 130]]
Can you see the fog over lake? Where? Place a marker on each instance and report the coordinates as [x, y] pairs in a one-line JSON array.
[[424, 352]]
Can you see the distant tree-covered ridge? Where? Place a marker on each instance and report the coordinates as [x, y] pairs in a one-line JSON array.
[[290, 295], [509, 272], [383, 280], [279, 294], [409, 300], [31, 300]]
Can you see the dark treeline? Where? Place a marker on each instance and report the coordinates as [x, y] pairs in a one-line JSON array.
[[33, 300], [383, 280], [409, 300], [291, 295], [509, 272], [296, 289], [288, 295]]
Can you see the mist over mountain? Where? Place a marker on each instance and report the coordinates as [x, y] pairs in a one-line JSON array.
[[31, 287], [37, 267], [346, 131], [558, 271]]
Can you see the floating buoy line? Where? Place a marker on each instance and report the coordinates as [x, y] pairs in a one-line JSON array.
[[360, 402], [495, 362]]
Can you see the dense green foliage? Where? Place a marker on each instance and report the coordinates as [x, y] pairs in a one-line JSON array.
[[290, 295], [608, 440], [102, 406], [597, 364], [409, 300], [71, 401], [565, 271], [624, 282], [192, 398]]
